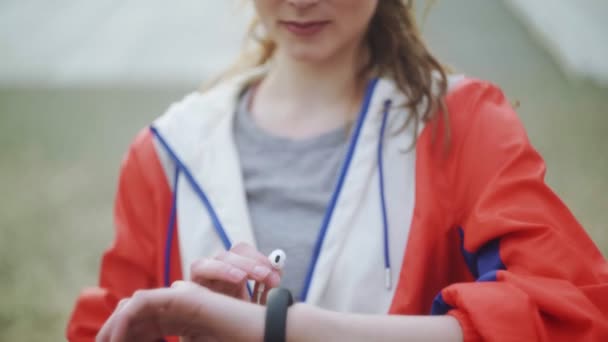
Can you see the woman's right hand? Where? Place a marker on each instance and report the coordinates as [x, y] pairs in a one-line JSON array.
[[228, 272]]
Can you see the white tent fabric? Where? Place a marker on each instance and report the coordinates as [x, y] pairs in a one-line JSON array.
[[74, 41], [574, 32], [63, 42]]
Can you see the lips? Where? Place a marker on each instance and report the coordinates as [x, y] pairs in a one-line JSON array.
[[304, 29]]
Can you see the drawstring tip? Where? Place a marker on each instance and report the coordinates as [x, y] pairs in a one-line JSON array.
[[258, 296], [388, 282]]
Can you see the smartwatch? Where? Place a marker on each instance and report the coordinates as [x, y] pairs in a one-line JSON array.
[[277, 303]]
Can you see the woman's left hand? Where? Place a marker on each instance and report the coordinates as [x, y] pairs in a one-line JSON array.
[[199, 314], [185, 309]]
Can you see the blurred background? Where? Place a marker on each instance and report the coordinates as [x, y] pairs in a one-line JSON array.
[[78, 79]]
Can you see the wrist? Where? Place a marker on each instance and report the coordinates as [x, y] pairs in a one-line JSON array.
[[257, 329], [251, 328], [230, 318], [301, 317]]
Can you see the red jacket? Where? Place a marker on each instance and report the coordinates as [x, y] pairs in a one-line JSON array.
[[487, 241]]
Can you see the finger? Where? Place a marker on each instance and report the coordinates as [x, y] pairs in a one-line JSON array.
[[151, 314], [139, 318], [105, 332], [204, 271], [229, 289], [180, 284], [273, 280], [255, 270], [121, 304], [249, 251], [177, 284], [183, 285], [258, 268]]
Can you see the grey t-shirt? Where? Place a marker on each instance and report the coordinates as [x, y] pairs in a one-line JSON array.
[[288, 184]]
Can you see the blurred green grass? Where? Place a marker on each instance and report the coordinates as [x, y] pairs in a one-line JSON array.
[[61, 153]]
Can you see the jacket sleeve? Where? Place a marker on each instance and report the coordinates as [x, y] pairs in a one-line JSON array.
[[539, 275], [129, 264]]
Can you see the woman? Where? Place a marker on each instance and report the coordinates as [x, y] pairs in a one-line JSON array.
[[429, 197]]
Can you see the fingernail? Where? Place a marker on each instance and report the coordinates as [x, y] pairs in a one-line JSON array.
[[178, 283], [123, 302], [237, 275], [261, 271]]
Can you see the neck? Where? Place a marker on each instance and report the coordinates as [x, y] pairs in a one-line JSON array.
[[298, 99], [328, 83]]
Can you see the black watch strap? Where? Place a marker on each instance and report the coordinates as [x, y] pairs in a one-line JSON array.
[[279, 300]]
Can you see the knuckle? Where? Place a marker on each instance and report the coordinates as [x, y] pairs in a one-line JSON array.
[[231, 257]]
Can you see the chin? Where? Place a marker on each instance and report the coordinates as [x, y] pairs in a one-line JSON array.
[[310, 54]]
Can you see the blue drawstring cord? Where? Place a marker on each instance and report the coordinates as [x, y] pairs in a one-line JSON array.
[[387, 257], [171, 229], [173, 214], [203, 197], [331, 206]]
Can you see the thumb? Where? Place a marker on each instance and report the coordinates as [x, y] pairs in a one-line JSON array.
[[184, 285]]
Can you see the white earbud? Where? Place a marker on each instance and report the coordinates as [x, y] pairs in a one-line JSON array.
[[277, 258]]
